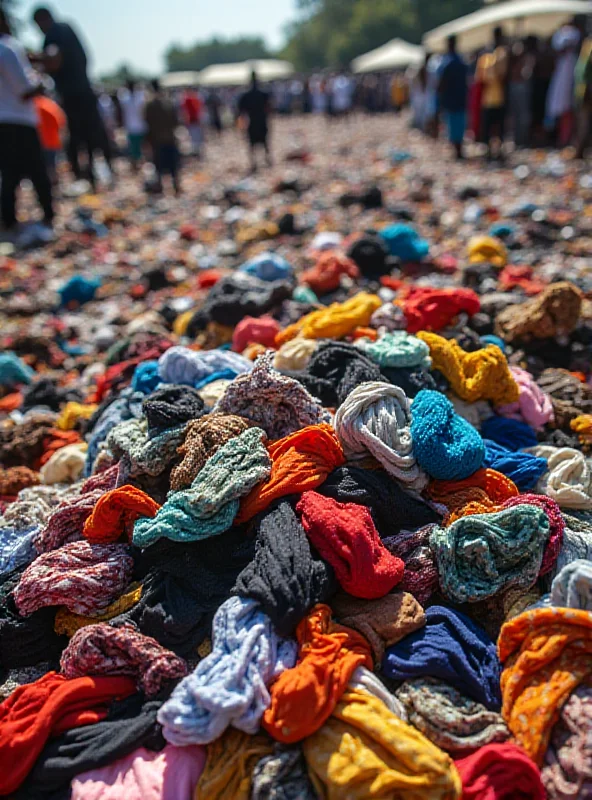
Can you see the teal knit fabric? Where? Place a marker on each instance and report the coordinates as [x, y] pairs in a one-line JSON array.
[[397, 349], [480, 555], [211, 503]]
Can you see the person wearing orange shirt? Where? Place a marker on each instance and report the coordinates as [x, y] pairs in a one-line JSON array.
[[51, 122]]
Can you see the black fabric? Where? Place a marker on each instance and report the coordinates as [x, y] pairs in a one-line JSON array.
[[371, 255], [70, 78], [131, 723], [172, 406], [21, 157], [410, 379], [87, 131], [286, 577], [45, 392], [391, 507]]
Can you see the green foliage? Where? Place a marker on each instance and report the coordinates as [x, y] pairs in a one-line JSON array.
[[329, 33], [215, 51]]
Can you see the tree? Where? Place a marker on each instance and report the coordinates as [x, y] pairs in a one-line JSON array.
[[216, 50]]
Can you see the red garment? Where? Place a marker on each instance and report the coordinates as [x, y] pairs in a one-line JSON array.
[[433, 309], [50, 706], [191, 105], [500, 772], [475, 94], [346, 537], [115, 513]]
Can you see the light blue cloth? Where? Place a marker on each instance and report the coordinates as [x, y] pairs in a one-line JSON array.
[[268, 266]]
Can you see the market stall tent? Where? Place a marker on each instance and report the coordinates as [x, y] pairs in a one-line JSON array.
[[179, 80], [396, 54], [517, 17], [239, 74]]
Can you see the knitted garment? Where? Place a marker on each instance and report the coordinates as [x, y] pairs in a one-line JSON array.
[[448, 718], [266, 266], [285, 578], [212, 392], [569, 477], [582, 425], [210, 505], [334, 370], [567, 770], [345, 536], [303, 698], [203, 438], [54, 443], [229, 687], [533, 406], [391, 507], [127, 406], [115, 513], [72, 413], [454, 649], [410, 379], [509, 433], [17, 548], [553, 313], [493, 485], [144, 775], [389, 318], [368, 682], [500, 772], [365, 751], [546, 654], [482, 554], [141, 455], [445, 445], [577, 542], [569, 396], [251, 330], [68, 623], [24, 444], [180, 365], [230, 761], [299, 462], [34, 506], [83, 577], [375, 418], [129, 724], [103, 650], [276, 403], [420, 578], [146, 378], [294, 355], [282, 775], [397, 349], [334, 321], [171, 406], [13, 371], [326, 274], [572, 587], [50, 705], [382, 622], [487, 249], [474, 413], [428, 309], [481, 375], [14, 479], [524, 469], [65, 465]]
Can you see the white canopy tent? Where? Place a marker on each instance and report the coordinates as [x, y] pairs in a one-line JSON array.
[[179, 80], [239, 74], [396, 54], [517, 17]]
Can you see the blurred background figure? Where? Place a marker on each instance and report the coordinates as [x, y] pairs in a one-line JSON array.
[[492, 71], [192, 112], [161, 123], [253, 108], [132, 100], [453, 90]]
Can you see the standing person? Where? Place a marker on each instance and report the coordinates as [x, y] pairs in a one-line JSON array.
[[522, 63], [342, 95], [161, 124], [132, 101], [492, 70], [214, 104], [543, 70], [560, 98], [254, 105], [583, 78], [51, 122], [21, 155], [109, 114], [191, 108], [64, 58], [432, 117], [453, 91]]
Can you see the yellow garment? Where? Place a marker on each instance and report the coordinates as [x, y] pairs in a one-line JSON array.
[[365, 751], [487, 249], [295, 354], [257, 232], [229, 765], [182, 321], [213, 336], [334, 321], [491, 72], [72, 412], [581, 425], [481, 375], [68, 623]]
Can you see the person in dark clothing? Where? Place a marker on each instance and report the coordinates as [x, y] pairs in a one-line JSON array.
[[255, 105], [453, 90], [213, 104], [161, 122], [65, 59]]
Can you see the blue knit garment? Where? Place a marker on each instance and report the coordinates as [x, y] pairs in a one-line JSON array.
[[453, 648], [79, 289], [404, 242], [180, 365], [491, 338], [510, 433], [503, 230], [127, 406], [522, 468], [16, 547], [14, 371], [268, 267], [445, 445], [229, 687], [146, 378]]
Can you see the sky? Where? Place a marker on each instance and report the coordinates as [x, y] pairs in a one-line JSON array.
[[139, 31]]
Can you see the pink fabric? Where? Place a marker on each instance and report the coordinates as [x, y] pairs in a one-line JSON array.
[[533, 406], [171, 774]]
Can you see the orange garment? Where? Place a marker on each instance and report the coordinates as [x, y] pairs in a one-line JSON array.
[[300, 461], [496, 486], [547, 653], [303, 698], [51, 122], [115, 513], [55, 442]]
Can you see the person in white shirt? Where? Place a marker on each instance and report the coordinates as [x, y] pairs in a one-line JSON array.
[[21, 155], [342, 94], [132, 101]]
